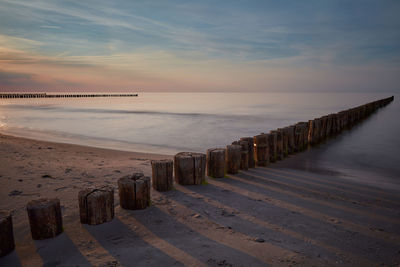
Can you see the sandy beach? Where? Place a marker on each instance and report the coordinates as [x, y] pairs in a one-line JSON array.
[[279, 215], [274, 127], [31, 169]]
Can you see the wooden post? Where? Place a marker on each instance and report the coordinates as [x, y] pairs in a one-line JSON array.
[[261, 150], [340, 120], [279, 144], [162, 178], [334, 129], [363, 111], [244, 154], [45, 218], [304, 131], [285, 138], [291, 143], [190, 168], [299, 137], [134, 191], [272, 140], [324, 121], [329, 125], [346, 119], [352, 117], [318, 129], [96, 205], [250, 141], [339, 126], [233, 158], [314, 131], [333, 124], [6, 233], [216, 162]]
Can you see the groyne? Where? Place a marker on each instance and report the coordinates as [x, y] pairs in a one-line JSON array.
[[44, 95], [276, 145]]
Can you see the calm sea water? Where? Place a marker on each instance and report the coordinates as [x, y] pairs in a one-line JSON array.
[[167, 123]]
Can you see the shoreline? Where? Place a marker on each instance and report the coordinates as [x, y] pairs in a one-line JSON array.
[[85, 141], [33, 168], [150, 155]]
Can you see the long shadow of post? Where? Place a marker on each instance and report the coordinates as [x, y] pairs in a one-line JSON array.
[[127, 247], [326, 204], [188, 240], [10, 260], [335, 235], [235, 222], [60, 251]]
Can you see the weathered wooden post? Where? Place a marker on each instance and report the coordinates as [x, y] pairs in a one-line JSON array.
[[298, 137], [363, 111], [233, 158], [6, 233], [329, 125], [279, 144], [190, 168], [244, 155], [216, 162], [261, 150], [339, 122], [305, 130], [357, 115], [314, 131], [162, 174], [272, 140], [345, 119], [291, 143], [45, 218], [96, 205], [250, 141], [134, 191], [285, 138], [324, 122], [368, 109], [350, 113], [353, 116], [318, 130]]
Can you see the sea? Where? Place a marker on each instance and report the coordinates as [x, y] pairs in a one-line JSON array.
[[167, 123]]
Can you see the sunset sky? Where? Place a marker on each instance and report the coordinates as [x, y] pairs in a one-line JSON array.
[[200, 45]]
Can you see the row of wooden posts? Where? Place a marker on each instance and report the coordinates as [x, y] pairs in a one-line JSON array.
[[96, 205], [44, 95]]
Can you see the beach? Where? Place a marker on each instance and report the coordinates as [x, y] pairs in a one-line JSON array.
[[281, 215], [191, 133], [32, 169]]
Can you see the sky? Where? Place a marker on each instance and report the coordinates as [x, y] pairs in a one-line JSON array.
[[202, 46]]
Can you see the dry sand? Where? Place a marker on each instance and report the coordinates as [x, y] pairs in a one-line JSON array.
[[280, 215]]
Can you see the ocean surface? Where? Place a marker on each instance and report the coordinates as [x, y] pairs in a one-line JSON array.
[[167, 123]]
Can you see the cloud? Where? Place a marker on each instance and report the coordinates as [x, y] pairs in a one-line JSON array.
[[15, 79], [50, 27], [174, 45]]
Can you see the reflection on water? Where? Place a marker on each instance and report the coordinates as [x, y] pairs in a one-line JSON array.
[[173, 122]]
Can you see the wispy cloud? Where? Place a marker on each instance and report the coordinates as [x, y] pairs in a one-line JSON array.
[[50, 27]]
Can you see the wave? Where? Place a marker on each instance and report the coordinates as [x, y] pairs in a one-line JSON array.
[[95, 141], [140, 112]]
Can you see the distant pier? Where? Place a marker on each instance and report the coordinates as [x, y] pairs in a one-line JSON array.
[[44, 95]]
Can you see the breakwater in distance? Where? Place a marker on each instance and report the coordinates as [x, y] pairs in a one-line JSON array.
[[44, 95], [266, 148]]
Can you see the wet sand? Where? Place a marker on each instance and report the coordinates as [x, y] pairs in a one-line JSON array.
[[285, 214]]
